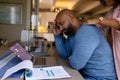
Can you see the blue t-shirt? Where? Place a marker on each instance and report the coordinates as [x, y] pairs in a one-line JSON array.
[[89, 52]]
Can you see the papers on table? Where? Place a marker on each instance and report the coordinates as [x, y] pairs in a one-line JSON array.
[[26, 35], [26, 64], [49, 36], [31, 73], [53, 72]]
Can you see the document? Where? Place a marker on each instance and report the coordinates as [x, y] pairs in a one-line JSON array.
[[54, 72], [49, 36], [25, 64], [31, 73]]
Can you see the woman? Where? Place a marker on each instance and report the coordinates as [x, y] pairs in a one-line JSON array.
[[111, 26]]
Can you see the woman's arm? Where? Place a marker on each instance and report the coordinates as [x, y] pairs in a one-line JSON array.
[[110, 22]]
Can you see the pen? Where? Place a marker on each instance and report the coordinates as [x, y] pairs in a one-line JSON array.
[[29, 74], [52, 73]]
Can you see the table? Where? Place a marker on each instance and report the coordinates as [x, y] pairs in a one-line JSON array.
[[75, 75]]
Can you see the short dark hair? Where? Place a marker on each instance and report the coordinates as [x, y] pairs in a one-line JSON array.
[[103, 2]]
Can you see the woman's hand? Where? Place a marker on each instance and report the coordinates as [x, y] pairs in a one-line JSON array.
[[93, 21]]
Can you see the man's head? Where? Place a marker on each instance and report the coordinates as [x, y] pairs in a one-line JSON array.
[[66, 22]]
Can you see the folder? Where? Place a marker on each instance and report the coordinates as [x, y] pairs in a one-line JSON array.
[[7, 61]]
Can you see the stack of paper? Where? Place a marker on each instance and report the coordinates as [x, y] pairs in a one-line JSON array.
[[32, 73]]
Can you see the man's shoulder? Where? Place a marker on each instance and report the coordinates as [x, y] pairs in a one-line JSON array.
[[89, 30], [88, 27]]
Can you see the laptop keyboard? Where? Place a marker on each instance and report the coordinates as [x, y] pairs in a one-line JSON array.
[[40, 61]]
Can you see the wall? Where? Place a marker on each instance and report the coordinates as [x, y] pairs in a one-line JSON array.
[[13, 32], [45, 17]]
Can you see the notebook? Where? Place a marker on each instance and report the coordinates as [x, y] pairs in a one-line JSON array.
[[37, 60]]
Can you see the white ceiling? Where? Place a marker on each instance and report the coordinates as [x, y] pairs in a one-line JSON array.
[[90, 7]]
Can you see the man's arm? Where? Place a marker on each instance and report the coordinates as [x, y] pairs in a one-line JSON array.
[[62, 46]]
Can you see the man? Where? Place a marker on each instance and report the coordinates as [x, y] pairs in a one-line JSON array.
[[85, 47]]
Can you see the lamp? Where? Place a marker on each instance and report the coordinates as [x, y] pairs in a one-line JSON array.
[[42, 29]]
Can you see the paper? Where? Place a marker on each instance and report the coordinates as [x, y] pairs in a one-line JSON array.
[[54, 72], [26, 64], [26, 35], [49, 36]]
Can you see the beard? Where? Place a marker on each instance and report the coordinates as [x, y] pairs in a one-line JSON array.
[[69, 30]]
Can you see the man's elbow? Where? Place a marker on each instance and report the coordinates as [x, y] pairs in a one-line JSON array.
[[76, 65], [63, 57]]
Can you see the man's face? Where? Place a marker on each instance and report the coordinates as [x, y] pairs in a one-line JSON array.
[[69, 29], [64, 25]]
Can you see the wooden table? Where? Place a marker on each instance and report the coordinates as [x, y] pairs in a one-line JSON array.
[[75, 75]]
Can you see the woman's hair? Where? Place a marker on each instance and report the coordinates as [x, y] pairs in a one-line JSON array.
[[117, 2], [102, 2]]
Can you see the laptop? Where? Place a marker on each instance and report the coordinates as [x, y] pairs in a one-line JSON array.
[[37, 60]]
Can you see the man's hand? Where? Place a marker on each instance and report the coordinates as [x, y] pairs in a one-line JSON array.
[[56, 29]]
